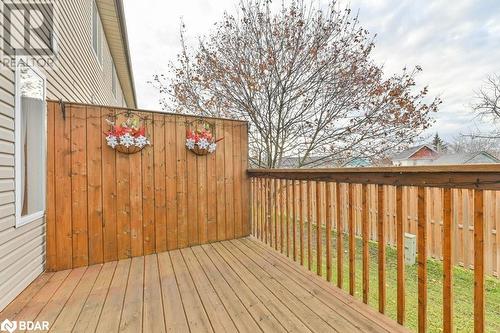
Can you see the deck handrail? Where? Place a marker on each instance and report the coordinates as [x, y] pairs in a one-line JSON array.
[[285, 201], [472, 176]]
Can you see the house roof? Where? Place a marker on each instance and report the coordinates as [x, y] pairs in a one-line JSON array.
[[357, 162], [407, 153], [310, 162], [115, 30], [463, 158]]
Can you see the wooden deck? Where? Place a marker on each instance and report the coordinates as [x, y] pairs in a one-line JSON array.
[[232, 286]]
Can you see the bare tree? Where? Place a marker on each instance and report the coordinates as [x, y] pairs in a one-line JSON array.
[[305, 80], [475, 143], [486, 105]]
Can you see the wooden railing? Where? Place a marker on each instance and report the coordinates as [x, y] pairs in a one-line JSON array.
[[291, 207]]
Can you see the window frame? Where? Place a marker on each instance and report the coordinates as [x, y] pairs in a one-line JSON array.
[[23, 220], [99, 34], [114, 78]]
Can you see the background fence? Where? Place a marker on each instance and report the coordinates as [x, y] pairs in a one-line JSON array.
[[103, 205], [463, 221]]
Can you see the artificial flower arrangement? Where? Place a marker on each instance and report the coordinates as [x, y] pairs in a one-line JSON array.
[[128, 137], [200, 138]]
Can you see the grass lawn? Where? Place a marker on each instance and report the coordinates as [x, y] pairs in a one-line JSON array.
[[463, 289]]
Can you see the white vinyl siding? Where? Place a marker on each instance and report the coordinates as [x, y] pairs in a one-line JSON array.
[[78, 77]]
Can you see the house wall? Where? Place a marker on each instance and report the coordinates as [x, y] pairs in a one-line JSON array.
[[104, 205], [412, 162], [423, 153], [77, 76]]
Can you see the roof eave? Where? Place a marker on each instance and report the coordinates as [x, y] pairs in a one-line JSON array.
[[123, 25], [115, 30]]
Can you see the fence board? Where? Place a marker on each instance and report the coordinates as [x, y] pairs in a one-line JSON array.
[[181, 183], [62, 185], [221, 205], [110, 205], [123, 205], [78, 116], [94, 174], [51, 196], [148, 196], [108, 199], [202, 200], [192, 202], [237, 167], [160, 182], [245, 181], [229, 178], [171, 182], [136, 213]]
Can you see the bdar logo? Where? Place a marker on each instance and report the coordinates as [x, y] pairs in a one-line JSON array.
[[8, 326]]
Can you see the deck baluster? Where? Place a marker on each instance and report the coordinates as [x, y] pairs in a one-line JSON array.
[[400, 256], [328, 231], [365, 227], [422, 259], [340, 236], [478, 262], [447, 262], [319, 229], [352, 240], [381, 248]]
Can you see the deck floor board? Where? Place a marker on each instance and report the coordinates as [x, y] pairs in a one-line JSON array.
[[231, 286]]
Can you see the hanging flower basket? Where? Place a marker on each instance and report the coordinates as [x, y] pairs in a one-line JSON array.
[[129, 136], [200, 137]]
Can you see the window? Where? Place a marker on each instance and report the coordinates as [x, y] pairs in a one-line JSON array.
[[30, 128], [113, 79], [96, 32]]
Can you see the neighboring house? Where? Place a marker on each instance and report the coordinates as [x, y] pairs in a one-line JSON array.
[[466, 158], [357, 162], [92, 65], [426, 155], [310, 162], [418, 155]]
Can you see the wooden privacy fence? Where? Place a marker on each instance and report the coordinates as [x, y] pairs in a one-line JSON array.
[[103, 205], [295, 211]]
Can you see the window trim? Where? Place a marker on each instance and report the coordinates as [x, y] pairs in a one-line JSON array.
[[23, 220], [99, 35], [114, 88]]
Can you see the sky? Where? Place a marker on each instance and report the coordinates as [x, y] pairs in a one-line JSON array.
[[457, 43]]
